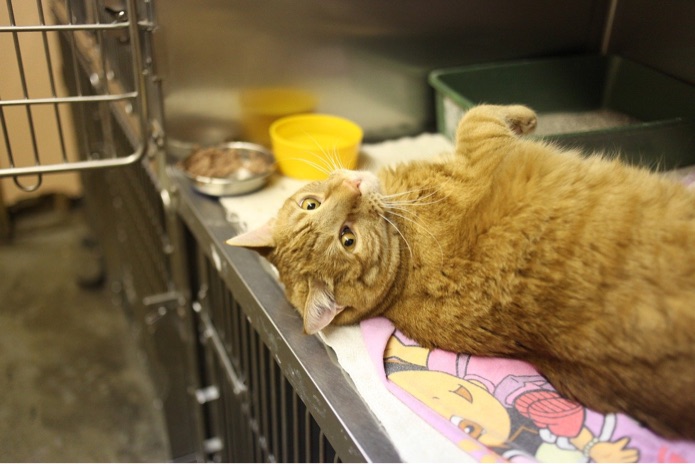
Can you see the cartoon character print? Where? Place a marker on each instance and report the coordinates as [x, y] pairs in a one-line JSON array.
[[511, 409]]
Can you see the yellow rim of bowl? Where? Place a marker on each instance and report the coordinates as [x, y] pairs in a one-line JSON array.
[[356, 131]]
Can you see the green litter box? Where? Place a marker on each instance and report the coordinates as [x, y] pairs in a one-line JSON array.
[[598, 103]]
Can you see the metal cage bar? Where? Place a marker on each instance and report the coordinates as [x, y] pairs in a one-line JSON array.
[[128, 216], [23, 115], [265, 420]]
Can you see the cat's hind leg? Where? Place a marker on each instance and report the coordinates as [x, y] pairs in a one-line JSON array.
[[486, 131], [520, 119], [496, 120]]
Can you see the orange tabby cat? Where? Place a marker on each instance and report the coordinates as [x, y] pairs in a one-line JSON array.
[[584, 267]]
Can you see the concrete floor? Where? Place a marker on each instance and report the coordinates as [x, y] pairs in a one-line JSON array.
[[73, 382]]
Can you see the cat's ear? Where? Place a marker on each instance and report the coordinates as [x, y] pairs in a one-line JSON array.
[[320, 308], [259, 239]]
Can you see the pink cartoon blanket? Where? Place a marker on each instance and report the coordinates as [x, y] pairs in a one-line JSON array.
[[503, 410]]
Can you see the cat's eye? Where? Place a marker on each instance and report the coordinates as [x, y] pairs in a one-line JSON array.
[[347, 238], [309, 204]]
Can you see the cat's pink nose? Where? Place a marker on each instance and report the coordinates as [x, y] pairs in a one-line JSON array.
[[354, 183]]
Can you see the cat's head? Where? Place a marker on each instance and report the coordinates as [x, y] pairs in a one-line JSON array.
[[336, 252]]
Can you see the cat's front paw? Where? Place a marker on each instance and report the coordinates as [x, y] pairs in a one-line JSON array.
[[521, 119]]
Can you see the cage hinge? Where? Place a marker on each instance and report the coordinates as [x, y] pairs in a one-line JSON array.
[[161, 304], [212, 445], [207, 394], [209, 333], [173, 298]]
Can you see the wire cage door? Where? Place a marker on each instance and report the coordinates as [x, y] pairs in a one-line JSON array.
[[97, 45]]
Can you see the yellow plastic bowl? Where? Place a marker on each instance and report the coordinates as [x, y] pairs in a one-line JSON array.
[[309, 146]]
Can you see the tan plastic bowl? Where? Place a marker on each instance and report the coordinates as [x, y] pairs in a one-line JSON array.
[[260, 107]]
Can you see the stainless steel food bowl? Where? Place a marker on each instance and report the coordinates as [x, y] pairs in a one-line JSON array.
[[256, 164]]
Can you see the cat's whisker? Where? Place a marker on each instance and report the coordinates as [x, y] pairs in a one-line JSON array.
[[312, 164], [414, 202], [400, 194], [321, 166], [410, 202], [332, 160], [337, 162], [417, 190], [399, 233], [402, 209], [324, 158], [398, 207], [408, 192], [441, 251]]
